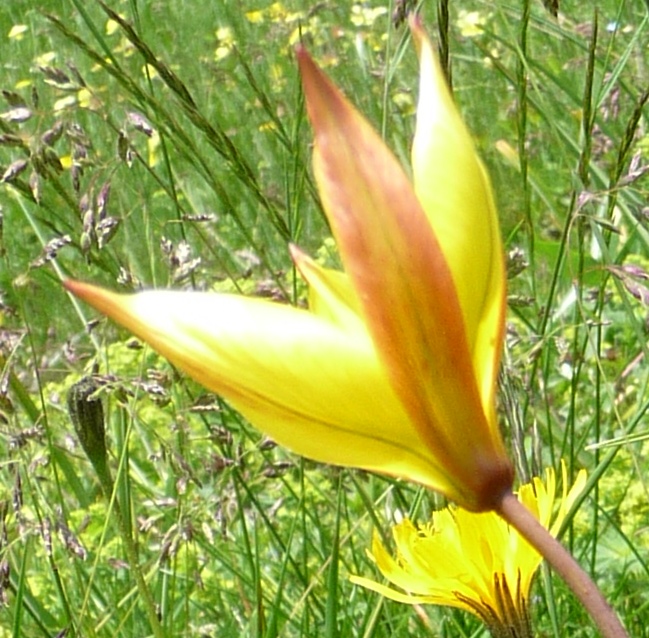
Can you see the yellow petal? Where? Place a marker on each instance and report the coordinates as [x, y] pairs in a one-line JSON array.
[[312, 385], [455, 192], [393, 594], [406, 291], [429, 571], [331, 295]]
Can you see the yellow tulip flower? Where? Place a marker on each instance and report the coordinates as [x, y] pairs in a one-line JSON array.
[[393, 366], [474, 561]]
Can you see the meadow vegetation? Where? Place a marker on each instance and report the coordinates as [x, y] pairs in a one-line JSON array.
[[165, 144]]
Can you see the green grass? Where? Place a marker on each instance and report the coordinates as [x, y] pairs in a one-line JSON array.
[[237, 537]]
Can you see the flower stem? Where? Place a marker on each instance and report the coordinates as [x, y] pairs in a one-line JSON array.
[[519, 517]]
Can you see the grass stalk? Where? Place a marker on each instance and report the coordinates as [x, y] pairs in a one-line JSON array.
[[87, 416], [132, 555]]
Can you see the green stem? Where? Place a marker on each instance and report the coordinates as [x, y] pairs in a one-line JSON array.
[[519, 517], [107, 486], [87, 416]]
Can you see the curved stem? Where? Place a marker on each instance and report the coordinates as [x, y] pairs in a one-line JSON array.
[[519, 517]]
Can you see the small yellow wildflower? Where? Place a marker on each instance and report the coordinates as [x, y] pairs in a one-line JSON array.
[[45, 59], [255, 17], [17, 32], [86, 99], [225, 43], [471, 23], [153, 148], [64, 103], [149, 71], [112, 26], [365, 16]]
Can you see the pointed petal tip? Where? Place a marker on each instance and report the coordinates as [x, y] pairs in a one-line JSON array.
[[300, 51], [299, 257], [305, 61], [325, 103], [105, 301], [415, 23], [305, 265], [69, 284], [81, 289], [78, 288], [295, 251], [419, 34]]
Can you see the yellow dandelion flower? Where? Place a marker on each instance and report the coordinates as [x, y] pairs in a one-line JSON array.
[[471, 561]]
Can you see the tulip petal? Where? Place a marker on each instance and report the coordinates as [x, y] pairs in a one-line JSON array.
[[331, 294], [406, 290], [310, 385], [454, 190]]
